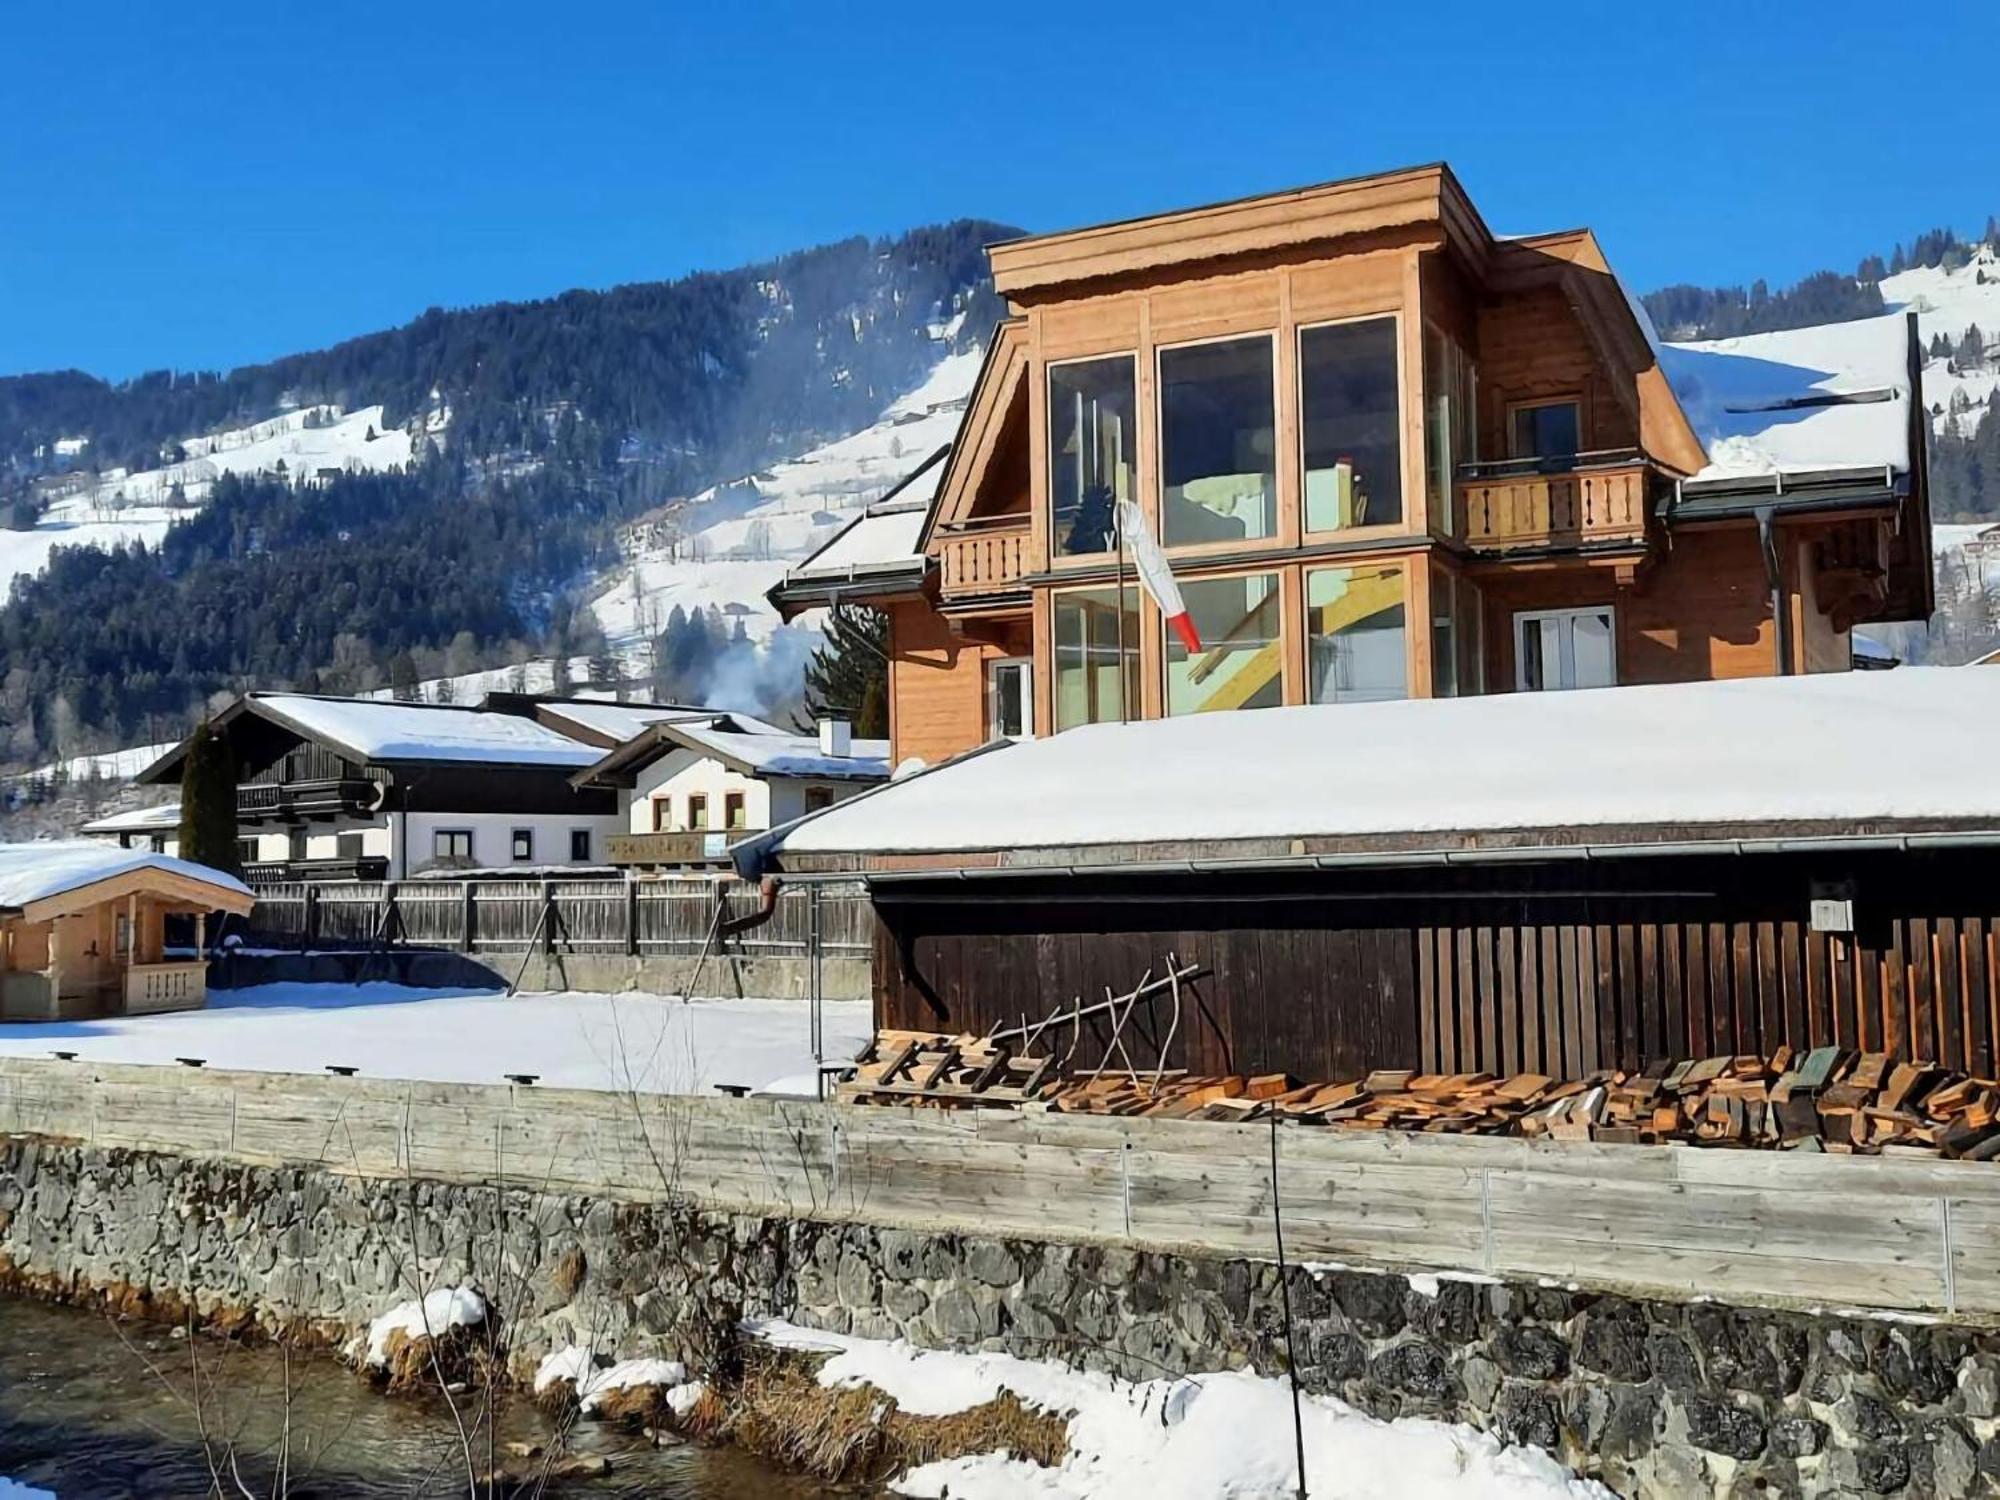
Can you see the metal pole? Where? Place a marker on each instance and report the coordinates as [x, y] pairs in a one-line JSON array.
[[818, 993]]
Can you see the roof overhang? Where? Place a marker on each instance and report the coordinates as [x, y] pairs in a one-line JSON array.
[[1031, 268], [864, 583], [168, 885]]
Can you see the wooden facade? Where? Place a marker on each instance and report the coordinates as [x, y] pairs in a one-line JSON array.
[[1482, 535], [1558, 968]]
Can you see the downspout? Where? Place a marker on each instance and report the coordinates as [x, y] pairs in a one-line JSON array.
[[1774, 574], [767, 907]]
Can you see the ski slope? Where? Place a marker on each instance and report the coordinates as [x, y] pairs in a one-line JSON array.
[[1949, 302]]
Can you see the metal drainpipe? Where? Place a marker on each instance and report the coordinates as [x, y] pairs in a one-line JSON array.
[[1774, 573]]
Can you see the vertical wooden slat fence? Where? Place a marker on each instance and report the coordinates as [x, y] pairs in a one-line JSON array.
[[655, 917]]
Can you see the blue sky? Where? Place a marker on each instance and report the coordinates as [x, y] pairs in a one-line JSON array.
[[208, 185]]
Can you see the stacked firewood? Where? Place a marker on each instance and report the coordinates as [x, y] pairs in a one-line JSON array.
[[1829, 1099]]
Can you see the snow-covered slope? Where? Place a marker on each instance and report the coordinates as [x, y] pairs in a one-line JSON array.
[[118, 506], [729, 544], [1949, 302]]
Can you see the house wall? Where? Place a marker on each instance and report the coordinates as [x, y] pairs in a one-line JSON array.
[[685, 773], [1531, 347], [492, 837], [937, 682], [1560, 969]]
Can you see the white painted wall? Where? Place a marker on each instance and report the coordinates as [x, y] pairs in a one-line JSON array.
[[767, 802], [492, 837]]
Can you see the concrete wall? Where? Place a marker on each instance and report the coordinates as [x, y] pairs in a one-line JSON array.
[[1656, 1398], [725, 975]]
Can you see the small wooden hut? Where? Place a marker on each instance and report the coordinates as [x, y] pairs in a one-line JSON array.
[[84, 930]]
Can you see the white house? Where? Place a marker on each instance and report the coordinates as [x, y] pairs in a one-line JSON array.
[[156, 829], [688, 787], [353, 788]]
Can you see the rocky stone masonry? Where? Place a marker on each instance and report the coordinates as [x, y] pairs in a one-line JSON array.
[[1656, 1399]]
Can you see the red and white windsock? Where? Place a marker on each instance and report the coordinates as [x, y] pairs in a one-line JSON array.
[[1156, 575]]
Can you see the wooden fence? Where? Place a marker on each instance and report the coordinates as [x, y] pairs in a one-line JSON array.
[[1756, 1227], [666, 917]]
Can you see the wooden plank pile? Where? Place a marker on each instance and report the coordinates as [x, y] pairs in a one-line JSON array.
[[921, 1067], [1829, 1099]]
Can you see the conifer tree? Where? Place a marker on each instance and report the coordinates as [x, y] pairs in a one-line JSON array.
[[208, 802], [841, 673]]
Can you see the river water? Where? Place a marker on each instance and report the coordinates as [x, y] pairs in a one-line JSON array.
[[99, 1411]]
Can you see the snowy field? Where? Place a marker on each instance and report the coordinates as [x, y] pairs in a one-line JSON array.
[[652, 1043]]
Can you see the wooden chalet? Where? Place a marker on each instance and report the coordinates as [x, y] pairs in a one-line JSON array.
[[84, 930], [1389, 455], [347, 788]]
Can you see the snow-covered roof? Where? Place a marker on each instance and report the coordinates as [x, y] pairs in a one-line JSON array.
[[139, 820], [1835, 396], [786, 754], [36, 872], [1761, 751], [376, 731], [883, 538], [620, 721]]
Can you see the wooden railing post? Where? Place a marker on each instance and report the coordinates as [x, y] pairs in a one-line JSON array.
[[631, 917], [309, 927], [548, 916], [468, 917]]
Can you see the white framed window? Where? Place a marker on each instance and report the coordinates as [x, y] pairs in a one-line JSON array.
[[1558, 649], [521, 845], [1010, 698], [451, 843]]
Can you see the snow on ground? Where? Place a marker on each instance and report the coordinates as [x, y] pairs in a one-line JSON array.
[[577, 1366], [1196, 1438], [1949, 302], [109, 509], [108, 765], [737, 539], [649, 1043], [23, 554], [448, 1307]]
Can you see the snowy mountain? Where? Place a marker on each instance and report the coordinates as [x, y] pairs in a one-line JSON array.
[[1950, 303]]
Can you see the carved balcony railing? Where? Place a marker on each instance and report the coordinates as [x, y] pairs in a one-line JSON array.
[[984, 557], [1593, 499], [290, 799]]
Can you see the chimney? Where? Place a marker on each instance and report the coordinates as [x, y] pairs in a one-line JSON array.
[[836, 739]]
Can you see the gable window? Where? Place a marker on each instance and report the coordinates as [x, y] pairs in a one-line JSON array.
[[1010, 699], [1565, 648], [1096, 654], [1545, 429], [734, 814], [1218, 443], [1092, 452], [818, 798], [697, 810], [1350, 424], [521, 845], [451, 843], [1241, 663], [579, 845], [663, 814], [1356, 633]]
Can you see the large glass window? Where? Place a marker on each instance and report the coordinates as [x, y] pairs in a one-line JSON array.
[[1355, 634], [1241, 661], [1218, 443], [1093, 636], [1449, 427], [1350, 420], [1092, 450], [1444, 634]]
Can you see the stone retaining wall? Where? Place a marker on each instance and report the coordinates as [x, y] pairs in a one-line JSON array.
[[1655, 1398]]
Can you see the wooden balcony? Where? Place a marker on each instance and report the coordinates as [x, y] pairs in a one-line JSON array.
[[295, 799], [166, 986], [986, 557], [280, 871], [1601, 499], [695, 847]]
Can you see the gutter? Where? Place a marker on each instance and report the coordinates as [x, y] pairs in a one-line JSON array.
[[1854, 843]]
